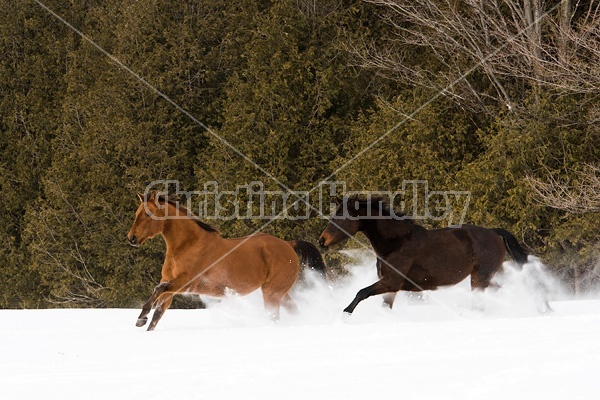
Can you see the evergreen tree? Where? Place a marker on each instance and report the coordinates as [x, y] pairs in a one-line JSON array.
[[31, 93], [289, 109], [305, 90]]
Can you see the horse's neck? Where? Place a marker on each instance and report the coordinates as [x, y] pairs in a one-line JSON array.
[[378, 241], [385, 234], [179, 233]]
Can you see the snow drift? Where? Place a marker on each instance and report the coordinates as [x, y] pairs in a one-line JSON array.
[[448, 344]]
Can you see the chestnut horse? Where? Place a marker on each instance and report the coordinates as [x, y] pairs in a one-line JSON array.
[[198, 260], [412, 258]]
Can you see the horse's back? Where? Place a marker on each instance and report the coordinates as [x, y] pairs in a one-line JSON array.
[[266, 245], [447, 243]]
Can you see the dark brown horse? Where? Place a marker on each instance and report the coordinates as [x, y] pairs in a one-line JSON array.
[[198, 260], [412, 258]]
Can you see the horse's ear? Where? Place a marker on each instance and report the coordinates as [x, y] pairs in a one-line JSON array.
[[141, 197], [160, 196], [339, 200]]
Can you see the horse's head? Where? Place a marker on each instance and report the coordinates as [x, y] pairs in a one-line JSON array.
[[343, 224], [149, 219]]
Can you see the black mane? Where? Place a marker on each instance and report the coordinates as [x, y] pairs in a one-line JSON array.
[[382, 225], [378, 202]]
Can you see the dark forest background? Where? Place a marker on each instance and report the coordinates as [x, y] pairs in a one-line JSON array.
[[499, 98]]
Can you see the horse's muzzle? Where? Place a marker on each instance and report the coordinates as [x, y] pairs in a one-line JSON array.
[[133, 241]]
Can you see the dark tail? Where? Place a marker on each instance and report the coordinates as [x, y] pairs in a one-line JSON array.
[[518, 253], [309, 256]]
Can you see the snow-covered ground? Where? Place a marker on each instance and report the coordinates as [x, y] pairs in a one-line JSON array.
[[450, 344]]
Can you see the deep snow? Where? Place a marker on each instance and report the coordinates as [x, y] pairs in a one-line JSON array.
[[450, 344]]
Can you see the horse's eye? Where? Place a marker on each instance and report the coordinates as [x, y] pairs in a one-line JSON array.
[[148, 214]]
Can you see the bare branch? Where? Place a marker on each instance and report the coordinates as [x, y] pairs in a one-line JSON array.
[[577, 198], [545, 45]]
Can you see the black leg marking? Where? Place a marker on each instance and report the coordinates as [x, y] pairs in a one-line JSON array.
[[158, 290]]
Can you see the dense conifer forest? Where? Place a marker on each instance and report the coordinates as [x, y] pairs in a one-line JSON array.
[[497, 98]]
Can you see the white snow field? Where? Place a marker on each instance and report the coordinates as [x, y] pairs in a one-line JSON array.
[[449, 344]]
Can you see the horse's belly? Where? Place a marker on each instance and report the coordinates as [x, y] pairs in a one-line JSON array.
[[419, 279], [219, 282], [444, 274]]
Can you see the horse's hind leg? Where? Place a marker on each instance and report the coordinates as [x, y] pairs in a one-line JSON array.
[[273, 301], [278, 284], [481, 279], [289, 304], [158, 290], [479, 282]]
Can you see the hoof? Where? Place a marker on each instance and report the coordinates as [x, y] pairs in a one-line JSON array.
[[141, 322], [545, 308], [346, 317]]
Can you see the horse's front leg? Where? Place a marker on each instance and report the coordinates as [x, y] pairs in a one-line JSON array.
[[158, 290], [384, 285], [388, 300], [165, 292], [162, 304]]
